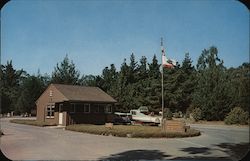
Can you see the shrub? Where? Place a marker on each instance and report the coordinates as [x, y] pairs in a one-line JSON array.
[[168, 114], [178, 114], [189, 111], [237, 116], [196, 114]]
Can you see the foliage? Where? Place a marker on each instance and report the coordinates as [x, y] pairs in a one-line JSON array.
[[131, 131], [88, 80], [237, 116], [189, 111], [31, 89], [210, 94], [65, 73], [178, 114], [168, 114], [211, 87], [196, 114], [10, 83]]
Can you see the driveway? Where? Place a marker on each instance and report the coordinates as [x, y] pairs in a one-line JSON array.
[[24, 142]]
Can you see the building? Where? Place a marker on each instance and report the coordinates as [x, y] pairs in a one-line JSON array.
[[69, 104]]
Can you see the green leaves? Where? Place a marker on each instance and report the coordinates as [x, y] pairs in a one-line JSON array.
[[211, 87], [65, 73], [212, 92]]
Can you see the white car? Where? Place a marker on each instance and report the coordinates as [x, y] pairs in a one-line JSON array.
[[141, 117]]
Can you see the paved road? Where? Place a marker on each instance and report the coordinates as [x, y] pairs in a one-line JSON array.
[[24, 142]]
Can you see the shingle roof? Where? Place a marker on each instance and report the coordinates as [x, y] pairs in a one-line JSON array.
[[82, 93]]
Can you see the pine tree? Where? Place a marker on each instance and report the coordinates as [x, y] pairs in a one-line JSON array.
[[154, 71], [210, 94], [187, 84], [142, 69], [133, 68], [10, 82], [65, 73]]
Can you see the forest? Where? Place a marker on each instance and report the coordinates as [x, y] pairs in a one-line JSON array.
[[207, 88]]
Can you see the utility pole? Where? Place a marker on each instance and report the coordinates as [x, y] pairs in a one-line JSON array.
[[162, 90]]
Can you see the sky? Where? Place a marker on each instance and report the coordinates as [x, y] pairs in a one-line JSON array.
[[37, 34]]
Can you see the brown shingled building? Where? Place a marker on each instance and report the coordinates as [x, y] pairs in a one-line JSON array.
[[69, 104]]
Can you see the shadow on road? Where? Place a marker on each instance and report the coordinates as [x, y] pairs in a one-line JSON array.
[[237, 151], [137, 155], [234, 151], [195, 150]]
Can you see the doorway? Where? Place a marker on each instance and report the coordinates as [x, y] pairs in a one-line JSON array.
[[60, 114]]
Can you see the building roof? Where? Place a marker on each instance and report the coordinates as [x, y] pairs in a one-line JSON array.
[[83, 93]]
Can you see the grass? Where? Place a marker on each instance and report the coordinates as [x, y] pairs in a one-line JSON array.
[[131, 131], [31, 122]]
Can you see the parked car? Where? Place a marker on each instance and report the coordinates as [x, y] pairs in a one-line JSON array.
[[122, 118], [139, 116]]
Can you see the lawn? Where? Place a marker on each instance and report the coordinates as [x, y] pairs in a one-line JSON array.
[[31, 122], [131, 131]]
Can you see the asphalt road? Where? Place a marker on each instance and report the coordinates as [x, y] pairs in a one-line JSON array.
[[24, 142]]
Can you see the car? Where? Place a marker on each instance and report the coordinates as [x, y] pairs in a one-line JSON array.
[[122, 118]]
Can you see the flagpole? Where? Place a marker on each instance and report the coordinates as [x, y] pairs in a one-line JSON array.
[[162, 90]]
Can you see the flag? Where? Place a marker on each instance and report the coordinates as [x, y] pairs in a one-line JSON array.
[[167, 63]]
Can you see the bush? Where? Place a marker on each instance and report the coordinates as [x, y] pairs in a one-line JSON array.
[[237, 116], [189, 111], [196, 114], [168, 114], [178, 114]]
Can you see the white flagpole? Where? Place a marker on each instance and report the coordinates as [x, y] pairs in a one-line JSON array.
[[162, 90]]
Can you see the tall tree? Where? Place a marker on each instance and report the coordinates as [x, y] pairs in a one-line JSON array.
[[187, 84], [65, 73], [31, 88], [244, 87], [210, 94], [133, 67], [142, 69], [10, 79], [154, 71], [88, 80], [238, 86], [109, 77]]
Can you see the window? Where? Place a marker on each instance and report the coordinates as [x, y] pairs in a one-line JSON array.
[[101, 108], [79, 107], [108, 109], [96, 108], [72, 108], [133, 112], [50, 111], [50, 93], [86, 108]]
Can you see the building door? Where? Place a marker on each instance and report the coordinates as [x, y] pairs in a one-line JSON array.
[[60, 114]]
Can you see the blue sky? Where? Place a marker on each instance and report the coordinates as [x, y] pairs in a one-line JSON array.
[[37, 34]]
